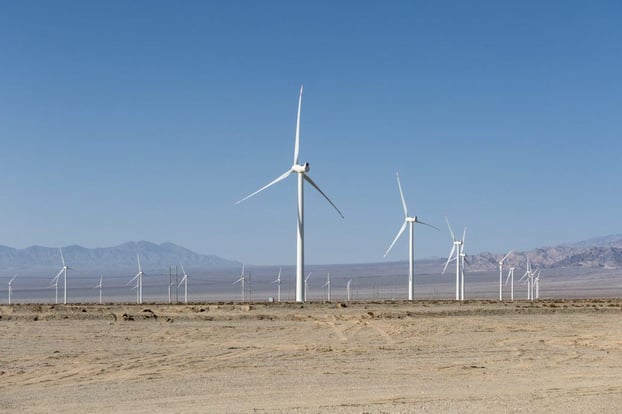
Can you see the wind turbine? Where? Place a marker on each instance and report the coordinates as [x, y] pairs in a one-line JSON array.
[[63, 271], [185, 281], [139, 282], [501, 274], [11, 288], [511, 277], [529, 275], [410, 221], [301, 170], [54, 283], [348, 289], [278, 286], [306, 285], [100, 286], [327, 285], [241, 281], [537, 283], [463, 260], [457, 249]]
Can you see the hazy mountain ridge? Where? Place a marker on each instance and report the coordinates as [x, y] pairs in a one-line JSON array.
[[116, 257]]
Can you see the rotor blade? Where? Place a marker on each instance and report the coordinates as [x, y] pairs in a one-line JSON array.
[[453, 238], [297, 143], [61, 256], [138, 258], [59, 273], [453, 248], [399, 185], [279, 178], [242, 274], [310, 181], [182, 268], [238, 281], [506, 256], [325, 284], [464, 235], [134, 278], [11, 281], [526, 274], [508, 278], [399, 233], [308, 276], [426, 224], [182, 281]]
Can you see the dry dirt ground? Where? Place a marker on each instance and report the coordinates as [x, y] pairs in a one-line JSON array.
[[481, 357]]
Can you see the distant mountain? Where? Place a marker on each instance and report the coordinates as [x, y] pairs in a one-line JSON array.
[[120, 257], [604, 252]]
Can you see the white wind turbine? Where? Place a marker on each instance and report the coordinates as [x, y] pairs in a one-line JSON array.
[[241, 282], [348, 289], [529, 275], [139, 282], [306, 286], [301, 170], [11, 288], [54, 283], [184, 280], [457, 249], [327, 286], [501, 274], [537, 283], [100, 286], [278, 286], [511, 277], [64, 272], [410, 221]]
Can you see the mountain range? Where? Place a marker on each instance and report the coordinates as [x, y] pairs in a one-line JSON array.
[[602, 252]]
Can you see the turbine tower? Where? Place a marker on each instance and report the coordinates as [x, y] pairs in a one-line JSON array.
[[306, 286], [463, 260], [139, 282], [278, 286], [184, 280], [301, 170], [501, 274], [511, 277], [64, 272], [241, 282], [11, 288], [100, 286], [348, 288], [327, 286], [456, 248], [410, 221]]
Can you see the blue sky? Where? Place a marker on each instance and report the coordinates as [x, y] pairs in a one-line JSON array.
[[147, 120]]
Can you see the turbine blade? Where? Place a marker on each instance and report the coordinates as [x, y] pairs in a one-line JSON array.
[[279, 178], [297, 143], [138, 258], [61, 256], [182, 268], [59, 273], [399, 185], [464, 235], [507, 279], [11, 281], [506, 256], [238, 281], [453, 238], [451, 254], [526, 274], [426, 224], [182, 281], [134, 278], [399, 233], [310, 181]]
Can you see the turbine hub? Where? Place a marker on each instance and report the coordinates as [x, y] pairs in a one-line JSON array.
[[303, 168]]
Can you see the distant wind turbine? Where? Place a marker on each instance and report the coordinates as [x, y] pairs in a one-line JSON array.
[[307, 285], [278, 286], [241, 282], [501, 274], [348, 289], [139, 282], [511, 277], [327, 286], [100, 286], [301, 170], [11, 288], [457, 249], [184, 280], [63, 271], [410, 221]]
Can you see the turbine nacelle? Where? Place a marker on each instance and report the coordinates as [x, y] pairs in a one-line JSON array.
[[301, 169]]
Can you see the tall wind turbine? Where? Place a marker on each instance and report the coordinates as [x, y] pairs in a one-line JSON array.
[[348, 289], [537, 283], [54, 283], [139, 282], [511, 277], [327, 286], [278, 286], [241, 282], [529, 275], [11, 288], [410, 221], [63, 271], [184, 280], [463, 260], [501, 274], [100, 286], [301, 170], [456, 248]]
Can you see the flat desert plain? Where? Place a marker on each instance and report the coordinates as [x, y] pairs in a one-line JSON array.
[[555, 356]]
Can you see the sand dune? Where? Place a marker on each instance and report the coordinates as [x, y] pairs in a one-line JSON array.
[[435, 356]]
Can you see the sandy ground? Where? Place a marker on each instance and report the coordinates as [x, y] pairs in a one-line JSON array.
[[481, 357]]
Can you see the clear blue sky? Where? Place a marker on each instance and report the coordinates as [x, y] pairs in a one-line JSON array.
[[147, 120]]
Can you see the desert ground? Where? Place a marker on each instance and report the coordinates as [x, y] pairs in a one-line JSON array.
[[553, 356]]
